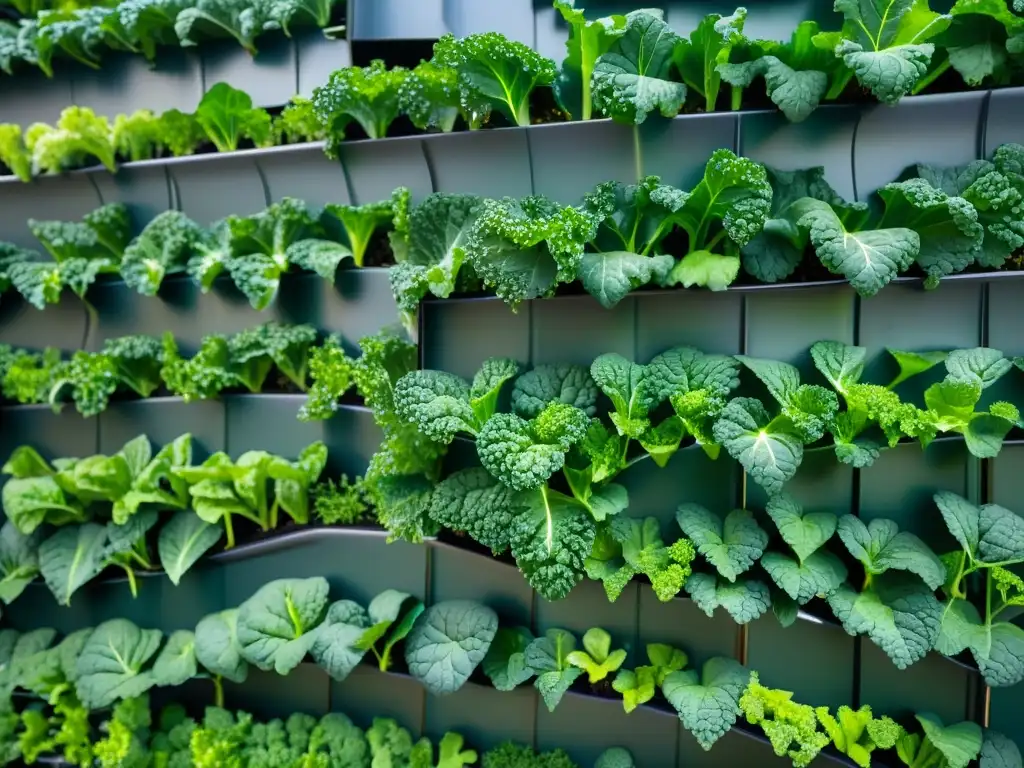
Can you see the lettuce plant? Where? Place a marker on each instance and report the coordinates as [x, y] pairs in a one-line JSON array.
[[367, 95], [227, 116]]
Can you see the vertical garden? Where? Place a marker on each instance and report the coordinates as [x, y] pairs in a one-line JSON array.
[[424, 384]]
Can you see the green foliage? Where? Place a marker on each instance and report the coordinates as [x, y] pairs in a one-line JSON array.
[[367, 95], [227, 116], [791, 728]]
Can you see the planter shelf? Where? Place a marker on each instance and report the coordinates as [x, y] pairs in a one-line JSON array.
[[127, 82]]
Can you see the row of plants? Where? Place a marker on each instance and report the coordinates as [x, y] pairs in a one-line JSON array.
[[621, 66], [254, 251], [70, 520], [546, 486], [224, 121], [443, 646], [776, 225], [267, 357], [86, 34], [132, 735]]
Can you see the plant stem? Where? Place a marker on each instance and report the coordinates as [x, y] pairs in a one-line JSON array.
[[839, 85], [737, 98], [218, 691], [133, 584], [638, 156], [931, 77], [587, 108], [229, 530], [988, 598], [636, 460]]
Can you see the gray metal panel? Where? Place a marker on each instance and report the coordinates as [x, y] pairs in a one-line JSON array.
[[733, 749], [397, 19], [271, 77], [902, 481], [931, 685], [462, 334], [145, 189], [815, 661], [1004, 119], [163, 420], [578, 329], [63, 325], [821, 483], [585, 726], [54, 435], [123, 311], [683, 625], [677, 150], [488, 163], [128, 82], [31, 97], [209, 189], [683, 318], [457, 574], [825, 139], [944, 129], [60, 198], [38, 608], [562, 171], [267, 694], [782, 325], [690, 476], [368, 693], [485, 716], [375, 167], [305, 172], [318, 58], [513, 18], [359, 304]]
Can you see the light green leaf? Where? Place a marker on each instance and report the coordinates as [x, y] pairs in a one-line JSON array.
[[705, 270], [770, 450], [804, 532], [183, 540], [880, 546]]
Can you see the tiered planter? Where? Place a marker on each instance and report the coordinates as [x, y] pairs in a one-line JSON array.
[[861, 149]]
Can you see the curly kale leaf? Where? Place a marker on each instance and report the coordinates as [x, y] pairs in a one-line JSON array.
[[180, 132], [369, 95], [201, 377], [145, 24], [137, 360], [431, 254], [551, 537], [297, 123], [219, 18], [431, 97], [496, 71], [77, 33], [731, 202], [79, 136], [331, 373], [524, 454], [523, 248], [163, 248], [707, 703]]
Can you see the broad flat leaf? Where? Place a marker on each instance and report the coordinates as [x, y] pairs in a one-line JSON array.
[[769, 450], [505, 662], [961, 628], [898, 613], [999, 751], [744, 600], [551, 537], [708, 45], [840, 363], [19, 560], [183, 540], [217, 646], [804, 532], [276, 626], [818, 574], [391, 615], [176, 662], [707, 705], [989, 533], [959, 743], [705, 269], [28, 502], [609, 277], [998, 649], [448, 642], [25, 461], [981, 365], [732, 545], [335, 647], [588, 39], [880, 546], [632, 80], [947, 225], [913, 363], [869, 259], [111, 665], [71, 557], [548, 656]]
